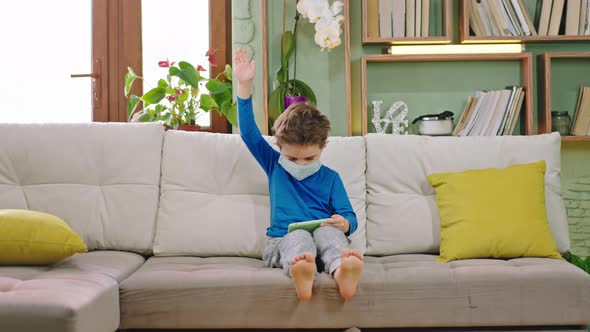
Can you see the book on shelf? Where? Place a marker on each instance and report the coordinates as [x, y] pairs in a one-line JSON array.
[[509, 18], [542, 16], [572, 17], [400, 18], [513, 16], [373, 18], [577, 17], [491, 113], [418, 19], [385, 13], [410, 18], [581, 121], [424, 31], [555, 19], [529, 22], [569, 17], [500, 18], [583, 19]]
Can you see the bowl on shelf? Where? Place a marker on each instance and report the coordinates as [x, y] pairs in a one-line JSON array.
[[435, 124]]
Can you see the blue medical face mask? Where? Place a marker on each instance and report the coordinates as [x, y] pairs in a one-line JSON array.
[[299, 172]]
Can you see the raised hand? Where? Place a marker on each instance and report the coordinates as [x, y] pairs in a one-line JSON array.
[[244, 70]]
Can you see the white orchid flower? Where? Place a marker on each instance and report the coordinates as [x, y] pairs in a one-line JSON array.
[[329, 21], [328, 35], [336, 7], [314, 10], [326, 19]]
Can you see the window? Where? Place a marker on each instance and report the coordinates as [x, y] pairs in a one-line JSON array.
[[95, 41]]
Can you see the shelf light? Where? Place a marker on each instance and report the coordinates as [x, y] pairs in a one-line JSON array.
[[456, 49]]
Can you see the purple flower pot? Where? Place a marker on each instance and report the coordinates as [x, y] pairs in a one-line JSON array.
[[289, 100]]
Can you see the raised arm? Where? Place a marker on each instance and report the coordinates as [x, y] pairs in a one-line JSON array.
[[244, 72]]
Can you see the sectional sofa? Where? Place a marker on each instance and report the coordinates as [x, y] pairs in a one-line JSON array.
[[175, 224]]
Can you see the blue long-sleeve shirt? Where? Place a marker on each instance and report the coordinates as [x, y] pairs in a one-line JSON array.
[[318, 196]]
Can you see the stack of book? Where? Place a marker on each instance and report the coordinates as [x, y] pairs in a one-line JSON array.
[[511, 18], [500, 18], [581, 122], [491, 113], [403, 18]]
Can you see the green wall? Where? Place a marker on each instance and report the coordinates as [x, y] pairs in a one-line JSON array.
[[324, 71]]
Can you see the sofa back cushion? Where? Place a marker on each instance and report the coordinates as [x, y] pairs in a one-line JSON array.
[[100, 178], [214, 195], [402, 215]]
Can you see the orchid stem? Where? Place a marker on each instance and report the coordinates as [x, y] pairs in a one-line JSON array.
[[295, 49]]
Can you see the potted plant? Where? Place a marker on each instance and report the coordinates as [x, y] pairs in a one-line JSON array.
[[180, 97], [327, 26]]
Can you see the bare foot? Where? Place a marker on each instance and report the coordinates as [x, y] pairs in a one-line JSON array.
[[348, 274], [303, 272]]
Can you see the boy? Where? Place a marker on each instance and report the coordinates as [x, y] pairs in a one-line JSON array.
[[301, 188]]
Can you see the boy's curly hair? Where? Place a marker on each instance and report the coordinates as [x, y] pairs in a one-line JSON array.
[[303, 124]]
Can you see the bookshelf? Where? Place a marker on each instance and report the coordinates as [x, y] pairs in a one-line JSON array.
[[435, 82], [465, 35], [439, 25], [550, 67]]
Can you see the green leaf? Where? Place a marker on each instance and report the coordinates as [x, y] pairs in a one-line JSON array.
[[185, 65], [145, 117], [282, 75], [228, 72], [216, 86], [276, 102], [222, 97], [187, 73], [207, 103], [129, 79], [183, 97], [231, 113], [306, 90], [130, 70], [287, 48], [162, 83], [154, 96], [576, 260], [131, 106], [190, 116], [173, 71]]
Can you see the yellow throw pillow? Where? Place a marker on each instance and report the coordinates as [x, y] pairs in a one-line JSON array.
[[35, 238], [493, 213]]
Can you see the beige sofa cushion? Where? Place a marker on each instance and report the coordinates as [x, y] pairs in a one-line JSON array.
[[402, 216], [395, 291], [101, 178], [213, 189], [80, 294]]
